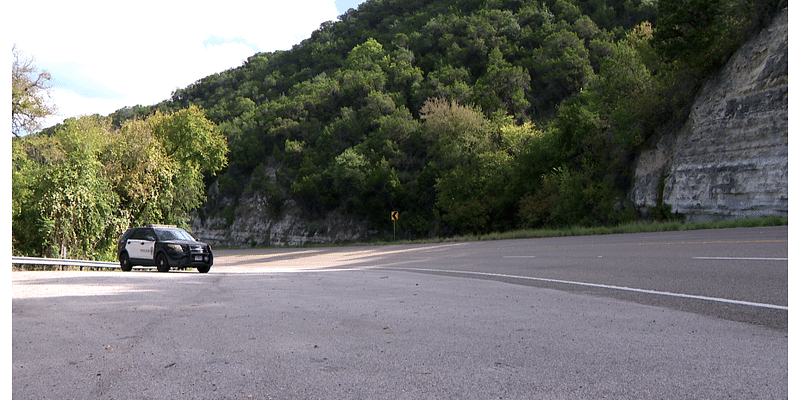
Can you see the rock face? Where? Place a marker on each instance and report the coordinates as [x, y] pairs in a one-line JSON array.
[[731, 158], [253, 225]]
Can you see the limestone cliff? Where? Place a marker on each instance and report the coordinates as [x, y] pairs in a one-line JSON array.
[[254, 225], [730, 159]]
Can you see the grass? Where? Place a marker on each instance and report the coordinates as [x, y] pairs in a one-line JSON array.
[[633, 227]]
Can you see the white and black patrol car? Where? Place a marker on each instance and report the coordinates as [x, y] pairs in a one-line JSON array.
[[163, 246]]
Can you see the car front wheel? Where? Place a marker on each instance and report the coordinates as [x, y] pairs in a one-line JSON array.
[[161, 263], [125, 262], [204, 269]]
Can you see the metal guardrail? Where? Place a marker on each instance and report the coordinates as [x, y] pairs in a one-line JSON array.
[[62, 262]]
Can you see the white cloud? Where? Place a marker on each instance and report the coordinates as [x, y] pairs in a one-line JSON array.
[[107, 55]]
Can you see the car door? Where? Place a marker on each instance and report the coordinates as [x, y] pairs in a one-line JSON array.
[[140, 245]]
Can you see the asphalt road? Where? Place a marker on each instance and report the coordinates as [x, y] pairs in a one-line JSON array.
[[684, 315]]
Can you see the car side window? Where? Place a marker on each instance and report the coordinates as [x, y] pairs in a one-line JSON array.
[[149, 235], [136, 235], [144, 234]]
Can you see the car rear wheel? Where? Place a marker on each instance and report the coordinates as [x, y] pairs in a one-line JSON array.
[[161, 263], [125, 262], [204, 269]]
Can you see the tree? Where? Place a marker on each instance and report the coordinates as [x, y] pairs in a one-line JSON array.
[[30, 92], [191, 139], [700, 35], [79, 186], [561, 67], [61, 192], [502, 88], [459, 132], [474, 189], [628, 88]]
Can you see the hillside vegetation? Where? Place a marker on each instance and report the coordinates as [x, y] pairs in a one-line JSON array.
[[76, 189], [467, 116]]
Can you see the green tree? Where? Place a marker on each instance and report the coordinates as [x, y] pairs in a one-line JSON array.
[[476, 158], [78, 187], [700, 35], [139, 171], [629, 90], [349, 178], [561, 67], [459, 132], [687, 31], [62, 199], [191, 139], [447, 82], [503, 88]]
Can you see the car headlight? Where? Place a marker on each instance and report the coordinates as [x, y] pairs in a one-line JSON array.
[[175, 247]]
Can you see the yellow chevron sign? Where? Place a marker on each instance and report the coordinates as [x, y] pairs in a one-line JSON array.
[[395, 215]]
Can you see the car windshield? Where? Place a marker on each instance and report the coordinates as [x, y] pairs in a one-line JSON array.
[[174, 234]]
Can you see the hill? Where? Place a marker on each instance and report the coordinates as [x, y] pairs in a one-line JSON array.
[[465, 116]]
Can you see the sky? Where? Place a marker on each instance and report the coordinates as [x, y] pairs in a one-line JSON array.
[[106, 55]]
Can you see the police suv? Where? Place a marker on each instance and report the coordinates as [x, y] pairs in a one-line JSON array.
[[164, 246]]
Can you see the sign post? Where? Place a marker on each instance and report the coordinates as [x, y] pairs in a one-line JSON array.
[[395, 215]]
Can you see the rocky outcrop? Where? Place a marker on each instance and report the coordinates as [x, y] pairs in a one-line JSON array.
[[253, 224], [731, 158]]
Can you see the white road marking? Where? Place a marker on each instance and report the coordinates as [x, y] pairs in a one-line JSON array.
[[597, 285], [741, 258], [519, 256]]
